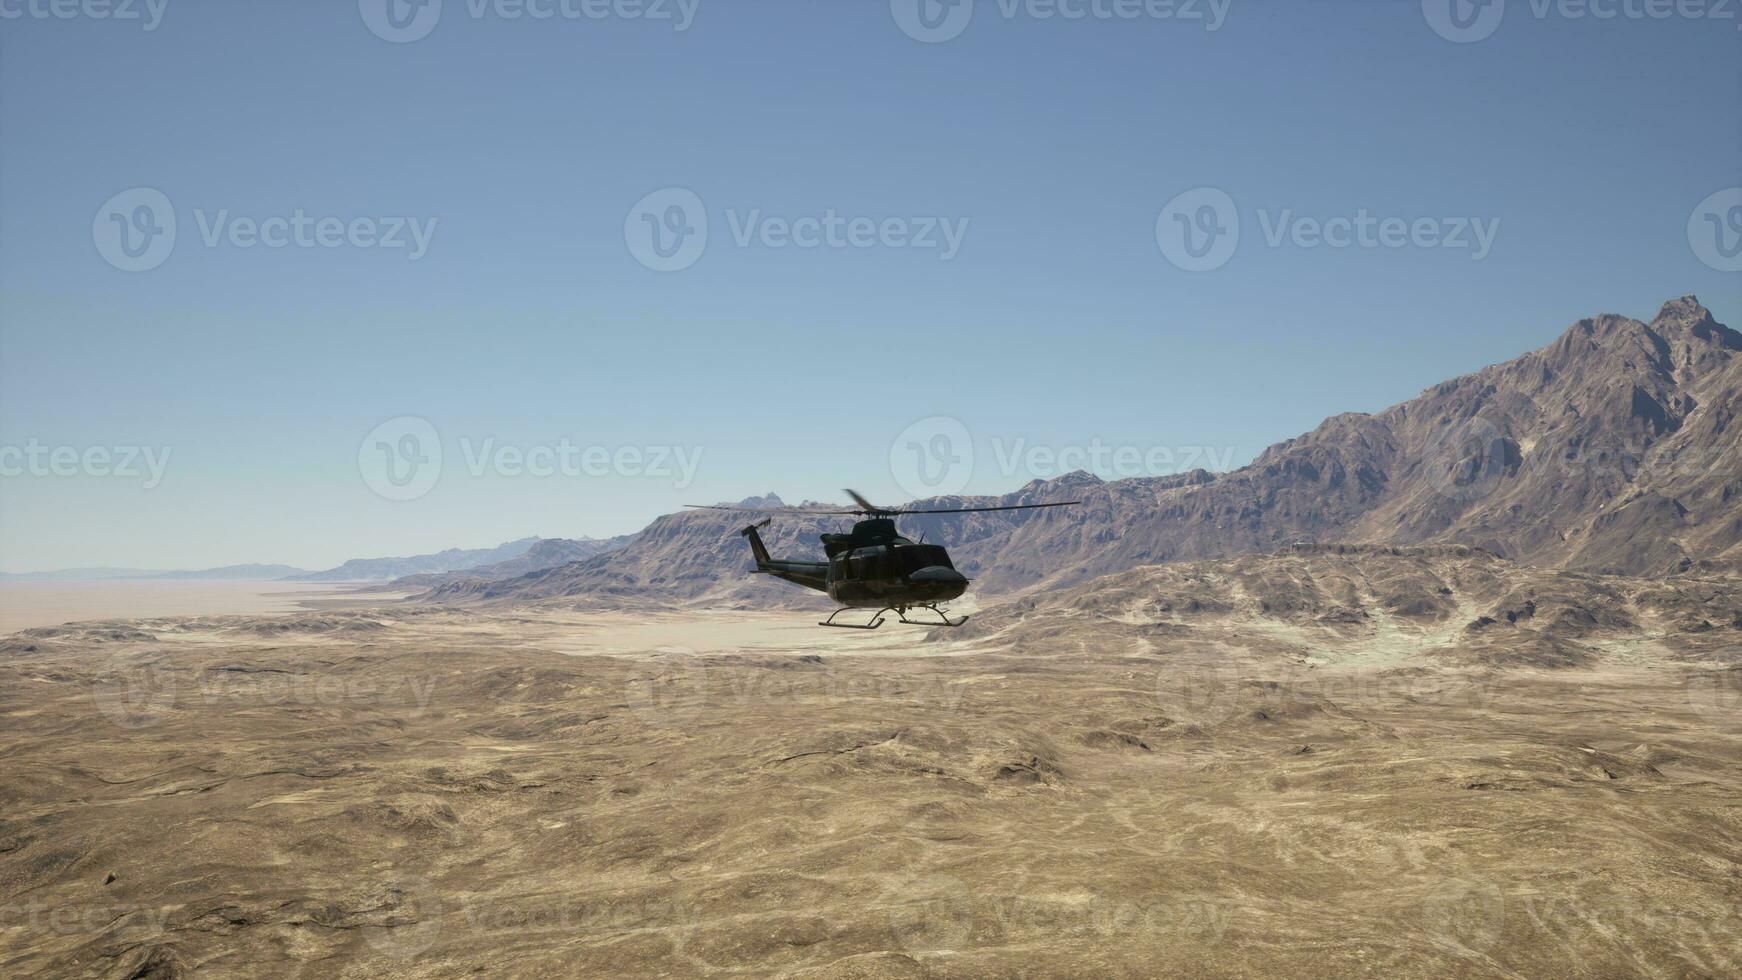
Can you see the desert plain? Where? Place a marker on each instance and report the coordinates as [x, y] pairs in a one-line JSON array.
[[1359, 762]]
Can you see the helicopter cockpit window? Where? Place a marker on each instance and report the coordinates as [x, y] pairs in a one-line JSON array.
[[916, 557]]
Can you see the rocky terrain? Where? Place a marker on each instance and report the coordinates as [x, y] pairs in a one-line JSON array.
[[1615, 448], [1366, 761], [1447, 604]]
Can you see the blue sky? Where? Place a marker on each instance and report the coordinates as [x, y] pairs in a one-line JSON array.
[[527, 150]]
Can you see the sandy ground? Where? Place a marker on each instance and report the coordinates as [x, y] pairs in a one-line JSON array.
[[26, 604], [414, 792]]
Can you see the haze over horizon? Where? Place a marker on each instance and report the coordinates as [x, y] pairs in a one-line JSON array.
[[518, 160]]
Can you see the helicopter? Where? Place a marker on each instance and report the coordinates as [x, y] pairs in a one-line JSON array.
[[872, 566]]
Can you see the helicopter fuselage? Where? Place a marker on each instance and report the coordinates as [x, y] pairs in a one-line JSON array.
[[873, 567], [870, 567]]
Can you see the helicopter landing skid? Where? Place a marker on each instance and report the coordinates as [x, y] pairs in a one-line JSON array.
[[946, 621], [901, 614], [876, 620]]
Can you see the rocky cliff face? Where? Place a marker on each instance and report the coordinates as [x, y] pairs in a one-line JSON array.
[[546, 553], [1615, 448]]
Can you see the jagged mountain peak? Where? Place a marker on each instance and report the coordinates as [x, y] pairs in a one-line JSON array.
[[769, 499]]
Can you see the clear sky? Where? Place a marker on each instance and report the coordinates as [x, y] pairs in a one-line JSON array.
[[538, 312]]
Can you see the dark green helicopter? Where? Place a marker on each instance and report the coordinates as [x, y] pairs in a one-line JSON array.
[[872, 567]]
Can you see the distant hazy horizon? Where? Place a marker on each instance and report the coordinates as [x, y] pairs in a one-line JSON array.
[[469, 277]]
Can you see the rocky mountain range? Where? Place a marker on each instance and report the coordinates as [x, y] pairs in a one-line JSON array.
[[1616, 448], [544, 553], [505, 560], [251, 572], [451, 559]]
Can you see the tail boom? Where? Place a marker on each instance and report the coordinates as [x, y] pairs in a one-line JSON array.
[[810, 574]]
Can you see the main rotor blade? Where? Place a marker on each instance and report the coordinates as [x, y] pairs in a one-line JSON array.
[[976, 510], [868, 508], [769, 510], [866, 505]]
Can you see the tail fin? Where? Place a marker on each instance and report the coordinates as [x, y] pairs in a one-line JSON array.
[[757, 548]]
